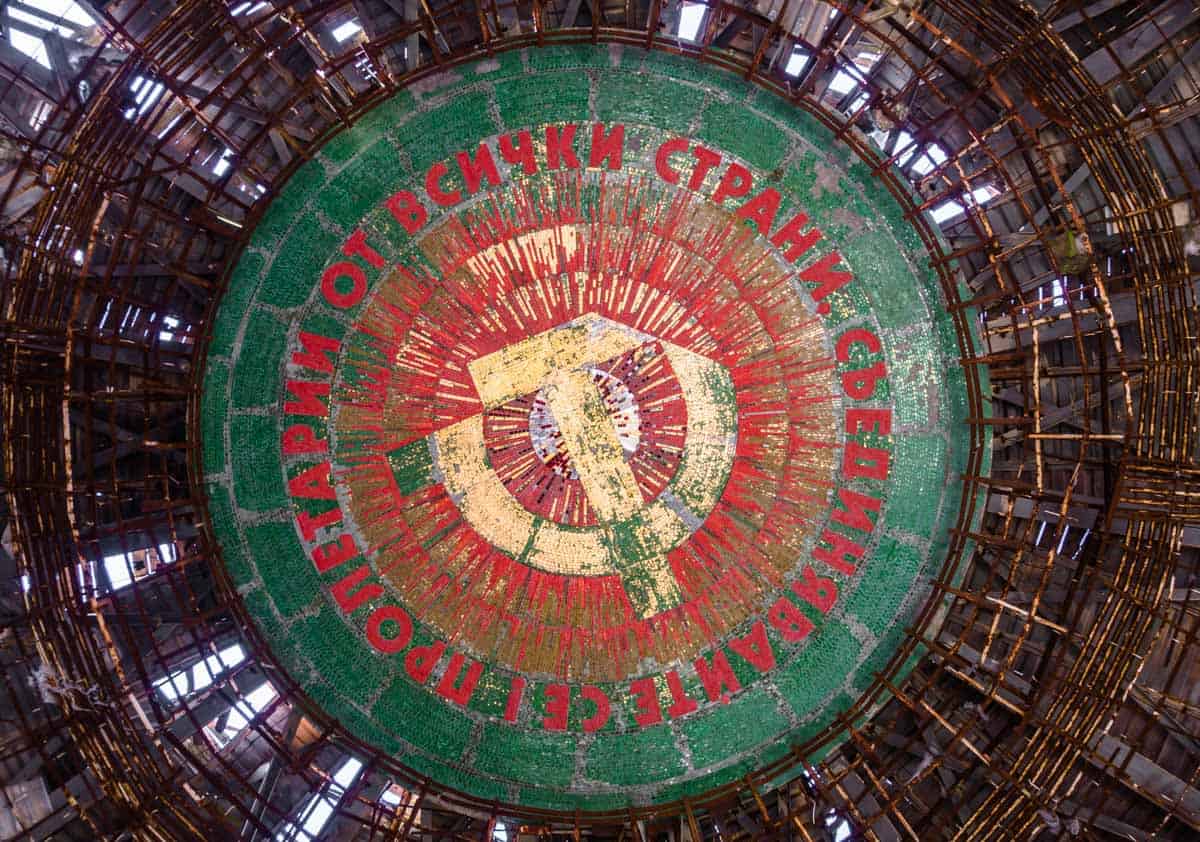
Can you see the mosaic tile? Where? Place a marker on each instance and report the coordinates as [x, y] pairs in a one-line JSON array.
[[567, 57], [529, 755], [212, 417], [640, 757], [819, 669], [361, 186], [441, 732], [750, 137], [331, 648], [257, 475], [729, 730], [256, 376], [571, 474], [648, 99], [908, 507], [884, 585], [272, 545], [234, 302], [522, 104], [221, 510], [289, 280]]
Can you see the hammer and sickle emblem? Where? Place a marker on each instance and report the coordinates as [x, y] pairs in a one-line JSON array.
[[633, 536]]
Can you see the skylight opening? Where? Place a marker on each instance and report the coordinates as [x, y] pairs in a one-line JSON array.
[[933, 158], [867, 59], [41, 114], [166, 336], [796, 63], [949, 210], [246, 708], [62, 16], [691, 18], [201, 675], [315, 817], [61, 10], [223, 163], [858, 103], [346, 31], [1062, 541], [86, 573], [1082, 540], [839, 826], [904, 140], [1058, 292], [349, 771], [146, 91], [30, 45], [365, 66], [983, 195], [842, 83], [38, 22], [246, 8], [319, 810], [119, 568], [170, 125], [255, 190], [130, 317]]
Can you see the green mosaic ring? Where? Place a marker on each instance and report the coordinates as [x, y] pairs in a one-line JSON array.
[[584, 428]]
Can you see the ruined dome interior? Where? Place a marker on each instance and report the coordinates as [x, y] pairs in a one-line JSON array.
[[1047, 155]]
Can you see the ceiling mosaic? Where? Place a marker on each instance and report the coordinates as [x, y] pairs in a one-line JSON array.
[[583, 427]]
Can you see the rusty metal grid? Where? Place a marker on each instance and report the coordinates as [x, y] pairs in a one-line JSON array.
[[1056, 690]]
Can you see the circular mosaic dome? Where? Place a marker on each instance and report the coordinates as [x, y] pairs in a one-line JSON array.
[[583, 433]]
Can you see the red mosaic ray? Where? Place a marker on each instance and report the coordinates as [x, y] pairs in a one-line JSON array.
[[545, 483], [533, 257]]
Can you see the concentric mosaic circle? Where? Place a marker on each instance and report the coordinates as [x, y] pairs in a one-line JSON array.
[[580, 434]]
